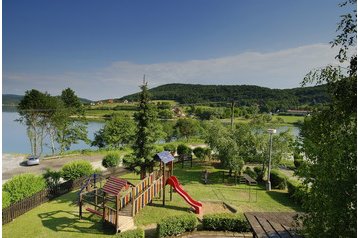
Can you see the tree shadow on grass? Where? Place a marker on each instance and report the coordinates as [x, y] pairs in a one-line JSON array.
[[65, 221], [283, 199]]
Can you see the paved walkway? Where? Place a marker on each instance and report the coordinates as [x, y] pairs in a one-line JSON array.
[[14, 165]]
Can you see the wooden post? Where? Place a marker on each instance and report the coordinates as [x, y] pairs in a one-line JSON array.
[[95, 196], [133, 201], [80, 204], [104, 208], [171, 174], [116, 214]]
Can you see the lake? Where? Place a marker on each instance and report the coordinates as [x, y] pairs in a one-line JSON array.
[[14, 138]]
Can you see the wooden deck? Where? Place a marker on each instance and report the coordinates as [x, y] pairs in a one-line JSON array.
[[273, 224]]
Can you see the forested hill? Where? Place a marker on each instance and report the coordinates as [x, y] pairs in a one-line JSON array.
[[14, 100], [242, 94]]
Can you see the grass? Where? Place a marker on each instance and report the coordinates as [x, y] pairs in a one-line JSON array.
[[59, 218]]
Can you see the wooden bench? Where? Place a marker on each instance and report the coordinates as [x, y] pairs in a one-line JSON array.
[[249, 180], [98, 213]]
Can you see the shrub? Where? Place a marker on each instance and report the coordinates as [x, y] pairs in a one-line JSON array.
[[208, 153], [52, 177], [137, 233], [199, 152], [23, 186], [251, 173], [6, 199], [111, 160], [183, 150], [176, 225], [296, 191], [297, 160], [278, 180], [259, 173], [76, 169], [170, 147], [225, 222]]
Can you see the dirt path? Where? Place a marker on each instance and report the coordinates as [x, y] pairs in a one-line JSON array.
[[14, 165]]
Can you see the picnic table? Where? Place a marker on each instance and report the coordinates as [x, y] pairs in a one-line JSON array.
[[249, 180]]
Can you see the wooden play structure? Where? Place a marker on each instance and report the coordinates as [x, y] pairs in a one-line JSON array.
[[116, 199]]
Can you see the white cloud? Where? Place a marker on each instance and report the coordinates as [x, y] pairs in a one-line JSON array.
[[280, 69]]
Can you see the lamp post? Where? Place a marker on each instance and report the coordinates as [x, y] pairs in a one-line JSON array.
[[268, 185]]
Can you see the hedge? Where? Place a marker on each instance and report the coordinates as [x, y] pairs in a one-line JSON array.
[[6, 199], [76, 169], [278, 179], [225, 222], [23, 186], [176, 225], [296, 191], [137, 233]]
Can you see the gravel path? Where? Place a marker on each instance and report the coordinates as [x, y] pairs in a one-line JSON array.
[[14, 164]]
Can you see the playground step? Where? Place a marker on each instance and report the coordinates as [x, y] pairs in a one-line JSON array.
[[126, 211], [125, 223]]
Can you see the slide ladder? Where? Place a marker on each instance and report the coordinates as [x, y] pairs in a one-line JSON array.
[[173, 181]]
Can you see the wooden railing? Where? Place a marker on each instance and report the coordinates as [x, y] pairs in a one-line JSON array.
[[147, 195]]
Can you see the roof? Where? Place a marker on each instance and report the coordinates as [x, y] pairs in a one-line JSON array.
[[273, 224], [165, 156], [114, 185]]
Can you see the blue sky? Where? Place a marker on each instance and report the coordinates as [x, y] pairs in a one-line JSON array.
[[101, 49]]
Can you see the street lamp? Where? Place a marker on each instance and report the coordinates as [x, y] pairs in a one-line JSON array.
[[268, 185]]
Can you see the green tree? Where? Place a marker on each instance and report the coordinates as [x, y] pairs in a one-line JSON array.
[[36, 110], [116, 133], [148, 132], [187, 128], [70, 131], [329, 142]]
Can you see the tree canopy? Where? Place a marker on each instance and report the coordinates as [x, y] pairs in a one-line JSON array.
[[329, 143]]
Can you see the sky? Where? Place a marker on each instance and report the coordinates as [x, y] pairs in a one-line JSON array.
[[102, 49]]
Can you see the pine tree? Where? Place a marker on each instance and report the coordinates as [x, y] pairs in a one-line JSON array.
[[148, 132]]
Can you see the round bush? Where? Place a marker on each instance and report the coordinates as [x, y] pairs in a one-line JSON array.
[[6, 199], [183, 150], [111, 160], [199, 152], [76, 169], [23, 186], [170, 147]]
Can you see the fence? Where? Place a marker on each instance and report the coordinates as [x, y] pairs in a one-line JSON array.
[[25, 205]]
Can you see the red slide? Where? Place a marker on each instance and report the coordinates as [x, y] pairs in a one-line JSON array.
[[173, 181]]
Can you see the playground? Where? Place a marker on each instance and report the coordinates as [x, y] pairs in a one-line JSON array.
[[61, 216]]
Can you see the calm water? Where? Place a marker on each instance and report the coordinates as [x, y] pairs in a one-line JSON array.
[[14, 137]]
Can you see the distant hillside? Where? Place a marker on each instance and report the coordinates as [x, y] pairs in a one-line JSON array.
[[243, 95], [14, 100]]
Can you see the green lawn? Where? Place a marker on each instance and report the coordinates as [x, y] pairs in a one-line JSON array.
[[59, 218]]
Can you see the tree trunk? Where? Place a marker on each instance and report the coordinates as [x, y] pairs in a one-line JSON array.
[[142, 173]]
